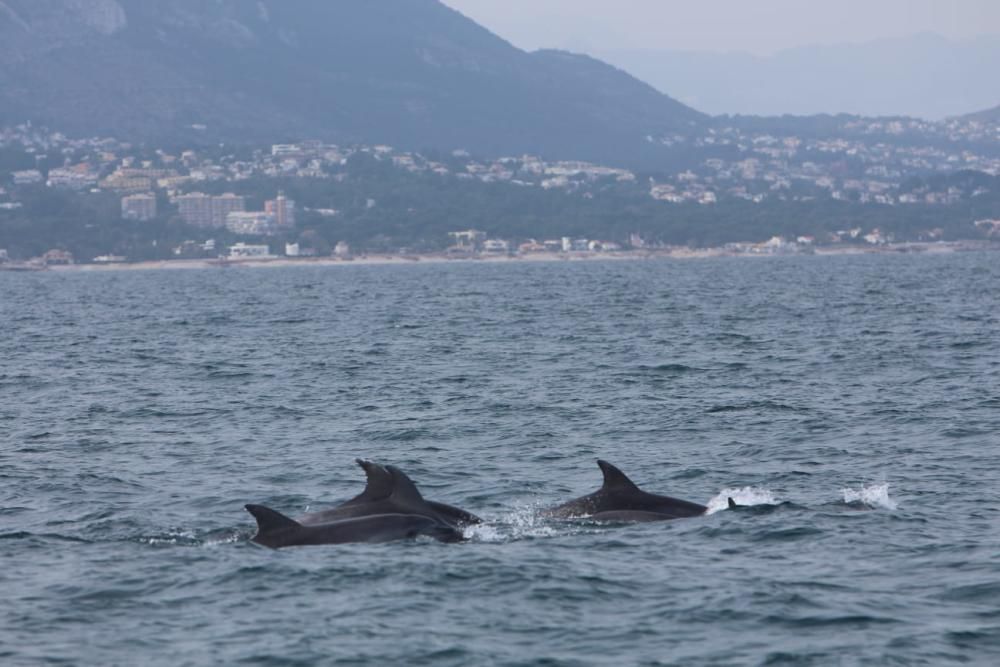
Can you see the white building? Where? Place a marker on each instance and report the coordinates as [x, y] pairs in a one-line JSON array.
[[470, 239], [203, 210], [496, 246], [251, 223], [244, 251], [71, 179], [575, 245], [27, 177], [285, 150], [139, 207], [875, 237]]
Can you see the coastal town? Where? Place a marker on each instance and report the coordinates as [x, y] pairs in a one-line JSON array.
[[891, 163]]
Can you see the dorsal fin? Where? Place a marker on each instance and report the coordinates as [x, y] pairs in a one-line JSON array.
[[404, 491], [615, 479], [732, 503], [379, 484], [270, 521]]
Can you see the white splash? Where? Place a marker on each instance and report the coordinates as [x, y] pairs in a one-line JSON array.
[[221, 541], [873, 495], [483, 532], [522, 523], [172, 537], [746, 496]]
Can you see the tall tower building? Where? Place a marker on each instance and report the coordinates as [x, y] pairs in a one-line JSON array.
[[139, 207], [224, 205], [203, 210], [282, 210]]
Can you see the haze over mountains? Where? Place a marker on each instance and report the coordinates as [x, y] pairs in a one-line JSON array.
[[927, 75], [412, 73]]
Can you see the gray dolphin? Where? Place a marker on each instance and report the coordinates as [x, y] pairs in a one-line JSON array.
[[275, 530], [620, 500], [390, 508], [378, 487], [389, 491]]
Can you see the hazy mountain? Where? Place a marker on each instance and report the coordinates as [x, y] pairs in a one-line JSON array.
[[924, 75], [989, 115], [412, 73]]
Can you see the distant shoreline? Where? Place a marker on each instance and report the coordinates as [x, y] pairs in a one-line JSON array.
[[388, 259]]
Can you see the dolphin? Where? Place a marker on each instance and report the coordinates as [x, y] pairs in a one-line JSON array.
[[378, 487], [378, 484], [389, 491], [620, 500], [276, 531]]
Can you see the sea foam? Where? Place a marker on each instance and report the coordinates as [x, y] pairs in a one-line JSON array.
[[872, 495], [524, 522]]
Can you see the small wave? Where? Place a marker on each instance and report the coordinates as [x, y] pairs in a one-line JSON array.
[[736, 366], [291, 320], [872, 495], [786, 534], [670, 368], [984, 592], [968, 344], [754, 405], [25, 535], [228, 375], [18, 535], [746, 496], [959, 433]]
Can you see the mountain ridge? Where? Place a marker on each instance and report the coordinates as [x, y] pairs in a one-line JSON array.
[[413, 73], [986, 115]]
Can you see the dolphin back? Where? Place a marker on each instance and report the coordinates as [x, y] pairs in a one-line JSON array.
[[455, 514], [621, 500], [630, 516], [273, 527], [275, 530], [406, 495]]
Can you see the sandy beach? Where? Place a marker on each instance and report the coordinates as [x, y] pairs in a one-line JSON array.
[[441, 258]]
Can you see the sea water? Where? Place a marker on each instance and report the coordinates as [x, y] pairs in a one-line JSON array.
[[852, 404]]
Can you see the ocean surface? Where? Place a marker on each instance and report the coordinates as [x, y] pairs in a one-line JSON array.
[[852, 402]]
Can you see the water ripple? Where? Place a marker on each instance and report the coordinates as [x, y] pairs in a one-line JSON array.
[[139, 416]]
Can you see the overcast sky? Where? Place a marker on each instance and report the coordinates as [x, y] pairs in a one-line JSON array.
[[758, 26]]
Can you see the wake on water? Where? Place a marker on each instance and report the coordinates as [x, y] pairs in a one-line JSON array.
[[526, 522]]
